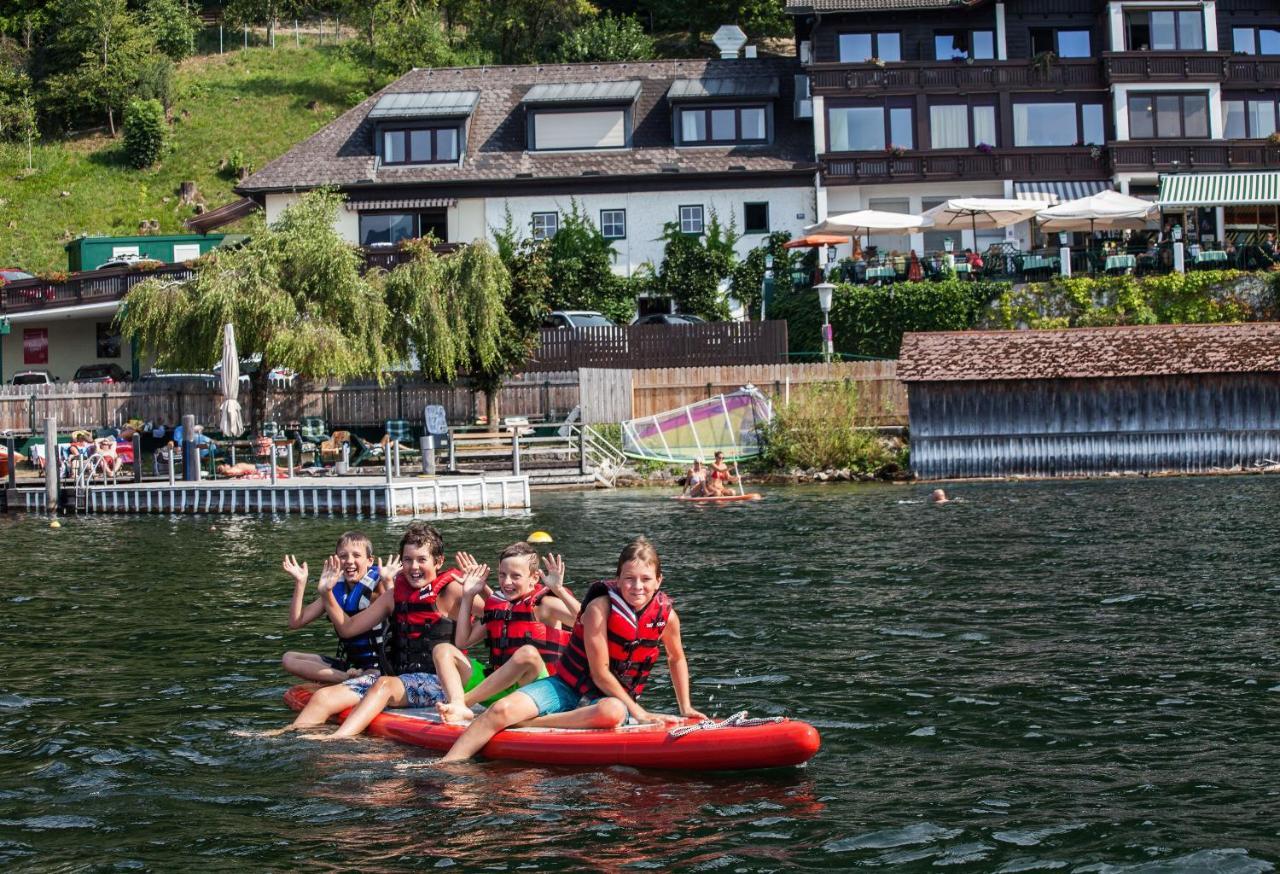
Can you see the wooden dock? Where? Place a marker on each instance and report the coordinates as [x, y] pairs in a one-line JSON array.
[[315, 496]]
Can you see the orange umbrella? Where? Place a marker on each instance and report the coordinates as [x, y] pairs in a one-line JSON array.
[[814, 240]]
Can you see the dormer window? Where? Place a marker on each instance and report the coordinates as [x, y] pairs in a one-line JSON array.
[[588, 115], [715, 112], [422, 127]]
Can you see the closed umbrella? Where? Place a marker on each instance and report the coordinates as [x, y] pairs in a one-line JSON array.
[[230, 421]]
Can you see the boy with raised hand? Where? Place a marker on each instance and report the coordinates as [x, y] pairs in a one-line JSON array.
[[524, 627], [421, 606], [355, 581]]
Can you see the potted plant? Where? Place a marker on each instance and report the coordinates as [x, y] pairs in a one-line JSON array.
[[896, 151], [986, 148], [879, 62], [1274, 139], [1042, 63]]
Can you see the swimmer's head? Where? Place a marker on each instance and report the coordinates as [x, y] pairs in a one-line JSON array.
[[938, 496]]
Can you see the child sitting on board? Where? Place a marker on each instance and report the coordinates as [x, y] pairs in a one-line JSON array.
[[613, 647], [524, 626], [421, 605], [355, 581]]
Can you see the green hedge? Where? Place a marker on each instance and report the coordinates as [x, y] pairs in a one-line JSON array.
[[871, 319], [144, 132], [1196, 297]]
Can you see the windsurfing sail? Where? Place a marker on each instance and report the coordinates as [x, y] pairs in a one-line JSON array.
[[728, 423]]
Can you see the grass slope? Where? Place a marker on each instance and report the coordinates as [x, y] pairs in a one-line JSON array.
[[257, 100]]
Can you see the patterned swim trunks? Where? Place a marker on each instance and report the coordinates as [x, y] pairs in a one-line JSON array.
[[421, 690]]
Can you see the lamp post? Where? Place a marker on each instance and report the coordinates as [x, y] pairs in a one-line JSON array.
[[766, 285], [824, 290]]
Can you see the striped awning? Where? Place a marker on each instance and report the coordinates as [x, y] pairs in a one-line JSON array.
[[401, 203], [1054, 193], [1220, 189]]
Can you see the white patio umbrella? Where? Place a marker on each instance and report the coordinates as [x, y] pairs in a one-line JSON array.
[[230, 421], [868, 221], [981, 212], [1108, 210]]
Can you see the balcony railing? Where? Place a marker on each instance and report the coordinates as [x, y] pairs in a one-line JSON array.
[[835, 79], [1244, 70], [1075, 162], [1165, 66], [1180, 155], [390, 257]]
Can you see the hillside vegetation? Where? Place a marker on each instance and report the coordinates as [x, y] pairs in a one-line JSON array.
[[244, 107]]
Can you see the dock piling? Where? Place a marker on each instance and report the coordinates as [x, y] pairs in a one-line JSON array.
[[190, 450], [50, 464]]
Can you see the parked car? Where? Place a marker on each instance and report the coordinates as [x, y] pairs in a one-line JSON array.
[[576, 319], [13, 274], [278, 375], [669, 319], [100, 373], [164, 377], [120, 261], [32, 377]]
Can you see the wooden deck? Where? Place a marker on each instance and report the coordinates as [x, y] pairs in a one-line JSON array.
[[342, 496]]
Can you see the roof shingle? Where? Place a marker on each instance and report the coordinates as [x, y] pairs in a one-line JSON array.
[[341, 153], [1075, 353]]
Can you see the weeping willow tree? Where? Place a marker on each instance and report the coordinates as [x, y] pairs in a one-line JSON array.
[[294, 293], [461, 315]]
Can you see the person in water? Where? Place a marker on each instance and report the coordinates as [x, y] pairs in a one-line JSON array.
[[524, 627], [938, 496], [719, 477], [613, 646], [695, 481], [353, 579], [421, 606]]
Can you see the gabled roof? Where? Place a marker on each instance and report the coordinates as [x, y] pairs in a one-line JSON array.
[[732, 88], [425, 104], [806, 6], [341, 153], [1080, 353], [583, 92]]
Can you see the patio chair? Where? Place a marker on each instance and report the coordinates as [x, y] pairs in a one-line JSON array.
[[401, 432], [165, 457], [312, 434]]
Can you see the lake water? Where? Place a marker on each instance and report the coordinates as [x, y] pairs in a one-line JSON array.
[[1074, 676]]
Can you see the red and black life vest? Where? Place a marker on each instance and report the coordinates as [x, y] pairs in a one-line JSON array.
[[633, 641], [509, 625], [417, 625]]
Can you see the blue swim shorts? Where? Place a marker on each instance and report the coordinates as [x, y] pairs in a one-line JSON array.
[[421, 690], [552, 695]]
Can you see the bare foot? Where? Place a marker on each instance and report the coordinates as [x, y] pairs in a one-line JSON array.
[[456, 766], [329, 737], [454, 713], [274, 732]]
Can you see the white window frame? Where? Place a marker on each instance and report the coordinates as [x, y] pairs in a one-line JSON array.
[[603, 224], [687, 219], [545, 229]]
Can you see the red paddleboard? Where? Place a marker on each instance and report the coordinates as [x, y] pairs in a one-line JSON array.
[[719, 499], [763, 743]]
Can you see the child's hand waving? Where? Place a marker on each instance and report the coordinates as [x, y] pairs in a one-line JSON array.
[[465, 561], [329, 574], [473, 581], [553, 576], [389, 568], [291, 567]]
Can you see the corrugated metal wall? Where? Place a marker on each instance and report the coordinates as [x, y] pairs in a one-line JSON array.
[[1078, 427]]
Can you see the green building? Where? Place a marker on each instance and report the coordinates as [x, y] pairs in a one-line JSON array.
[[89, 253]]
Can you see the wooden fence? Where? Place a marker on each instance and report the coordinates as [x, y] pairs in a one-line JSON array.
[[78, 405], [644, 346], [613, 395]]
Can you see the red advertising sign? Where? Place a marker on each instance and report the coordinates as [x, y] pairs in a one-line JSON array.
[[35, 345]]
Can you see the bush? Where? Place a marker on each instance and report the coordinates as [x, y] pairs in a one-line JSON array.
[[173, 26], [607, 39], [144, 132], [580, 263], [693, 266], [1199, 297], [823, 427], [747, 280], [871, 319]]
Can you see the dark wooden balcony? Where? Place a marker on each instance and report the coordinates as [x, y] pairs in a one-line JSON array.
[[1189, 155], [1243, 70], [1074, 162], [1165, 66], [390, 257], [948, 77], [87, 287]]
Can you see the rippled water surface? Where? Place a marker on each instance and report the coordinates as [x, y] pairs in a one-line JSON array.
[[1056, 676]]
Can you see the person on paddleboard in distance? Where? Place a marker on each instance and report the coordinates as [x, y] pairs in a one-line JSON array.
[[613, 647], [421, 606], [524, 626], [695, 480], [719, 477], [354, 577]]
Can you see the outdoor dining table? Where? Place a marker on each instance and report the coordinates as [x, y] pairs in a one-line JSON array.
[[1039, 262], [1120, 262], [1211, 256], [881, 273], [962, 267]]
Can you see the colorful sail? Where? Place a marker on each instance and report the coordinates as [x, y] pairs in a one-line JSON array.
[[727, 423]]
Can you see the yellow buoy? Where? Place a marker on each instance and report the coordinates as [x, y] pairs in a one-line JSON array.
[[540, 537], [55, 524]]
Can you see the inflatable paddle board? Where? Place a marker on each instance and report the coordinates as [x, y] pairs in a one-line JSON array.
[[733, 744], [719, 499]]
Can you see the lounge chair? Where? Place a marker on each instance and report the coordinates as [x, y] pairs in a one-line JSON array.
[[312, 434], [331, 447], [399, 431]]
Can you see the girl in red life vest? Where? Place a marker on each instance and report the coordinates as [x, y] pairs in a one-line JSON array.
[[611, 651], [525, 627], [421, 607]]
